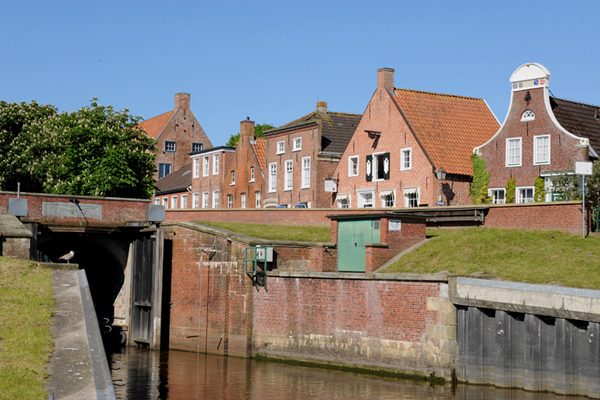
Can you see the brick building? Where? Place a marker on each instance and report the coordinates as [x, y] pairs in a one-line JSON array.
[[403, 138], [178, 133], [244, 178], [541, 136], [174, 190], [300, 155], [210, 172]]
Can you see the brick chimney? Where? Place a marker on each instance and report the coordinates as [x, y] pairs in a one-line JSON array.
[[385, 79], [182, 101], [246, 130], [322, 107]]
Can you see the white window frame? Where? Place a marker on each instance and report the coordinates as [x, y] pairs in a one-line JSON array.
[[408, 200], [492, 193], [297, 144], [243, 200], [520, 155], [229, 201], [216, 164], [252, 173], [205, 200], [170, 146], [353, 161], [341, 201], [205, 166], [173, 201], [183, 201], [215, 199], [200, 145], [536, 160], [403, 152], [528, 115], [519, 199], [232, 178], [165, 202], [288, 175], [157, 201], [362, 198], [375, 168], [305, 184], [257, 199], [196, 200], [384, 193], [280, 147], [272, 177], [196, 167]]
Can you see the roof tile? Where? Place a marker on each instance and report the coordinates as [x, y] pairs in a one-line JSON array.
[[578, 118], [155, 125]]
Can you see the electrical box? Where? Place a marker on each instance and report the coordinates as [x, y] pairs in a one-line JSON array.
[[17, 207], [155, 213], [264, 253]]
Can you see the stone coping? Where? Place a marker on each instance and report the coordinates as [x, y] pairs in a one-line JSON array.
[[69, 196], [438, 277], [11, 227]]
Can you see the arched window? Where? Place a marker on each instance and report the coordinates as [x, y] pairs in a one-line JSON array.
[[528, 116]]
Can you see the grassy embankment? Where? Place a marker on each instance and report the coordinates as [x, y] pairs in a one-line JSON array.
[[544, 257], [276, 232], [26, 307]]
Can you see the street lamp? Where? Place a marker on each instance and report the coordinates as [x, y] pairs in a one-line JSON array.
[[441, 175]]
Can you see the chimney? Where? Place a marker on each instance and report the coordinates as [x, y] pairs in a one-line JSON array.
[[385, 79], [182, 101], [322, 107], [246, 130]]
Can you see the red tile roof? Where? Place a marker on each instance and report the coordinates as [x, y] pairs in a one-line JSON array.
[[259, 147], [154, 126], [447, 126]]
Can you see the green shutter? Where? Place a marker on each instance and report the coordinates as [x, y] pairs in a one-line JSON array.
[[386, 166], [369, 168]]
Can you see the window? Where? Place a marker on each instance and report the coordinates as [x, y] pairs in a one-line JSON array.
[[297, 144], [498, 196], [388, 198], [243, 200], [197, 147], [157, 202], [305, 172], [205, 200], [165, 202], [170, 146], [378, 167], [280, 147], [215, 164], [353, 166], [365, 200], [251, 174], [343, 200], [289, 175], [524, 195], [215, 199], [196, 167], [411, 197], [257, 199], [513, 152], [406, 161], [205, 166], [541, 148], [195, 200], [233, 177], [184, 201], [164, 170], [528, 116], [230, 201], [174, 202], [272, 177]]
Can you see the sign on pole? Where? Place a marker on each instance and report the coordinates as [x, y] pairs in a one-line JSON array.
[[584, 167], [331, 186]]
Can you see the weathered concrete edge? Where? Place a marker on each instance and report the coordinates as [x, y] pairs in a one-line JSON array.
[[102, 376], [438, 277], [559, 302]]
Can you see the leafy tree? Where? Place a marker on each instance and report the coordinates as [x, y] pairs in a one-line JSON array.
[[539, 190], [511, 187], [95, 151], [481, 179], [258, 132]]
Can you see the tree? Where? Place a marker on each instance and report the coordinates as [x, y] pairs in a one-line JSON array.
[[539, 190], [481, 179], [258, 132], [95, 151]]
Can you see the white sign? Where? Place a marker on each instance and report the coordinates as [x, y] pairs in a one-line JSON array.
[[395, 225], [330, 186], [583, 167]]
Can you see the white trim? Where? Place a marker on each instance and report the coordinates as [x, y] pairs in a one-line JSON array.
[[205, 165], [272, 178], [361, 198], [205, 200], [350, 165], [411, 190], [243, 200], [288, 180], [344, 196], [375, 169], [252, 174], [402, 168], [215, 196], [196, 167], [518, 191], [528, 115], [195, 200], [503, 190], [387, 192], [283, 147], [306, 176], [173, 201], [216, 162], [535, 153], [183, 201], [294, 144], [506, 155]]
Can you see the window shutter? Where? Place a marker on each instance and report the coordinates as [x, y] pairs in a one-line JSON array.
[[386, 166], [369, 168]]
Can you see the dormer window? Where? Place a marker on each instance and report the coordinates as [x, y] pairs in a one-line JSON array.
[[528, 116]]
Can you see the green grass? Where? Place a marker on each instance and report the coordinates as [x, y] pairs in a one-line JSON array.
[[544, 257], [26, 307], [276, 232]]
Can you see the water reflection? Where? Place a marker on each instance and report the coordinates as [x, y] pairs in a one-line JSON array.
[[181, 375]]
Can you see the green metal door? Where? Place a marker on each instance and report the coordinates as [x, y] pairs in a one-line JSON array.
[[352, 235]]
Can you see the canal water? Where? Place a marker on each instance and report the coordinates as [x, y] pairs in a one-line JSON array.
[[140, 374]]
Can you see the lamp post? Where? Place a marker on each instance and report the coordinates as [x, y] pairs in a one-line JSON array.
[[441, 175]]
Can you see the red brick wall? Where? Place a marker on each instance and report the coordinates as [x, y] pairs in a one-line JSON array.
[[212, 182], [115, 211]]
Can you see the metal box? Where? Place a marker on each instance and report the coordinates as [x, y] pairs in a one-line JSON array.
[[260, 253], [17, 207], [155, 213]]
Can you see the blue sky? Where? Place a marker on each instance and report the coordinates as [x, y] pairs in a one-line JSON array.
[[272, 61]]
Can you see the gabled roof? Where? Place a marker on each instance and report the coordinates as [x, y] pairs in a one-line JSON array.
[[258, 146], [177, 181], [337, 128], [448, 127], [578, 118], [155, 125]]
